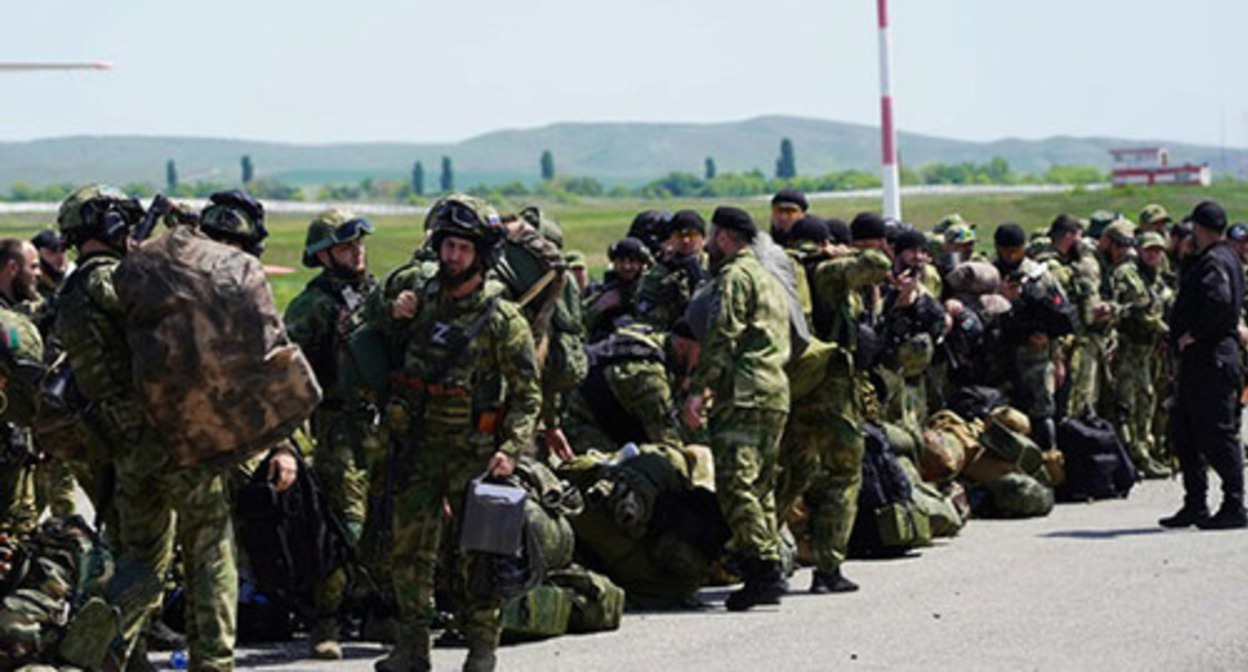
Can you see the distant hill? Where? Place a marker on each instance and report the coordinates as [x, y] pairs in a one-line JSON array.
[[628, 153]]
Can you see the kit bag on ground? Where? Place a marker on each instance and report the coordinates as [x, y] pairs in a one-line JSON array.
[[1096, 464], [290, 537], [211, 359], [542, 612], [888, 523], [597, 605]]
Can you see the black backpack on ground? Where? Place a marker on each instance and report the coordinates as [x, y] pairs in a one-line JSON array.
[[975, 402], [291, 538], [1096, 463]]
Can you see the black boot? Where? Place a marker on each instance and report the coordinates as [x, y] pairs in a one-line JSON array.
[[822, 583], [764, 584], [1187, 516], [1231, 516]]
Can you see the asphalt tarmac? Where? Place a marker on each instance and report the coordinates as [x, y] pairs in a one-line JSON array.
[[1090, 587]]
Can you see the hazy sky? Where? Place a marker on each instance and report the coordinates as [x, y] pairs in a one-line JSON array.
[[318, 71]]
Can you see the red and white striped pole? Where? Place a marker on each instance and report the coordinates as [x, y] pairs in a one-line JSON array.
[[888, 140]]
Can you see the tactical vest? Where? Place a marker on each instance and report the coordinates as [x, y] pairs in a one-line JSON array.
[[450, 375], [329, 356], [609, 414]]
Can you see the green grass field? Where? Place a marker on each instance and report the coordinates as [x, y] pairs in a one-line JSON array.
[[592, 224]]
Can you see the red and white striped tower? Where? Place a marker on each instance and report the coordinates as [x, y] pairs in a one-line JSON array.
[[888, 139]]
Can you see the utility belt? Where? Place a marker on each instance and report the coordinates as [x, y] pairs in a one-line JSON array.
[[440, 404]]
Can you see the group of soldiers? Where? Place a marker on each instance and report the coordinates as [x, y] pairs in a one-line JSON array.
[[775, 348]]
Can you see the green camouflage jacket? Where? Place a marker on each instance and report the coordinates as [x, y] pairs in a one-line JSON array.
[[487, 389], [320, 318], [747, 345], [1140, 310], [666, 289], [838, 285]]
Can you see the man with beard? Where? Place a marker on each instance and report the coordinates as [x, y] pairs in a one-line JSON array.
[[464, 399], [53, 262], [320, 319], [788, 207], [19, 280], [616, 297], [19, 273], [742, 364]]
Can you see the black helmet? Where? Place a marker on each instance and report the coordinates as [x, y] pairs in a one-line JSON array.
[[235, 217]]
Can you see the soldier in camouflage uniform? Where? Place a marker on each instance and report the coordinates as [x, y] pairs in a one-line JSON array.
[[616, 297], [627, 395], [320, 320], [19, 279], [742, 364], [1079, 275], [466, 400], [667, 286], [1140, 313], [19, 340], [150, 487]]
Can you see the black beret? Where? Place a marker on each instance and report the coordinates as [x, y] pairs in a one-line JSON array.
[[1063, 225], [48, 239], [1009, 234], [1209, 215], [792, 197], [734, 219], [838, 231], [909, 239], [628, 248], [811, 229], [867, 226], [686, 220]]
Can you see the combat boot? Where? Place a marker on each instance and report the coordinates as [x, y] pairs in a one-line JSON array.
[[480, 659], [1150, 468], [411, 654], [822, 583], [381, 629], [764, 584], [323, 640], [1187, 516], [1231, 516]]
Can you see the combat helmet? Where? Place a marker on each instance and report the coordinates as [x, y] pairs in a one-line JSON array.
[[97, 211], [234, 217], [332, 227], [469, 218]]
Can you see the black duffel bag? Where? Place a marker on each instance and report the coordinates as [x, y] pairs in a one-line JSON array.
[[1096, 463]]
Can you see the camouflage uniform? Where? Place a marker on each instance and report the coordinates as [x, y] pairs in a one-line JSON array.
[[344, 425], [626, 396], [468, 388], [1079, 275], [150, 487], [666, 289], [18, 513], [821, 455], [1141, 326], [742, 363]]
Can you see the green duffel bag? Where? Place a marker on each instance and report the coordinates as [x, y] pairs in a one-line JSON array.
[[542, 612], [598, 605], [903, 525]]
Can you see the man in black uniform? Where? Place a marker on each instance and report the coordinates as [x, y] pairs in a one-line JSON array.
[[1203, 338]]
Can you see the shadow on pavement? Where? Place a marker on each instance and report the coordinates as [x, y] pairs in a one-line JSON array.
[[1104, 534]]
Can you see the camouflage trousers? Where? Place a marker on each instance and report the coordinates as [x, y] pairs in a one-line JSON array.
[[339, 462], [1086, 356], [157, 505], [746, 445], [1134, 371], [17, 497], [821, 457], [435, 477], [54, 488]]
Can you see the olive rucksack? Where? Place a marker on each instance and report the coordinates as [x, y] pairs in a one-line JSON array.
[[218, 375], [888, 523]]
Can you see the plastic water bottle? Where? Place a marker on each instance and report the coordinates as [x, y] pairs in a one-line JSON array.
[[628, 452], [177, 660]]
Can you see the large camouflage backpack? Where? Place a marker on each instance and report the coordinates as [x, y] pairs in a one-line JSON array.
[[646, 527], [217, 373], [888, 523]]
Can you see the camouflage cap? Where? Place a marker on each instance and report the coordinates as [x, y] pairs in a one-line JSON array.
[[332, 227], [950, 220], [1041, 248], [1121, 232], [959, 233], [1154, 215], [73, 221], [1152, 239], [575, 258]]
